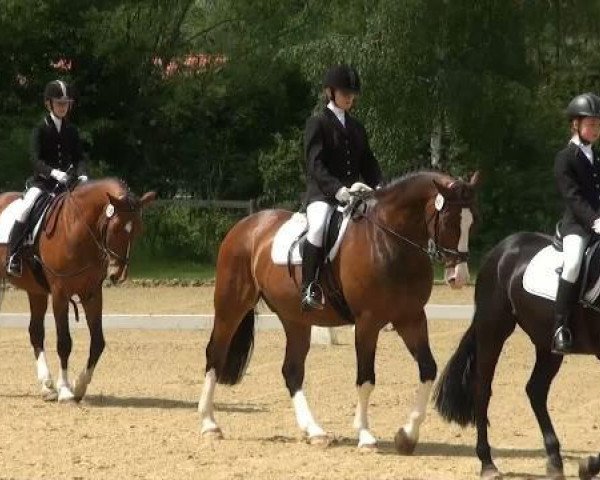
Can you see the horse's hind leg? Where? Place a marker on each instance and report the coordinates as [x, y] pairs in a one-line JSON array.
[[38, 305], [415, 335], [231, 340], [296, 349], [546, 367], [93, 316]]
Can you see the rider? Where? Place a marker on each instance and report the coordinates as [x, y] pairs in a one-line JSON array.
[[577, 175], [55, 147], [337, 154]]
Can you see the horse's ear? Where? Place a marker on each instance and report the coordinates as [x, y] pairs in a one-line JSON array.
[[475, 179], [148, 198], [112, 199], [440, 187]]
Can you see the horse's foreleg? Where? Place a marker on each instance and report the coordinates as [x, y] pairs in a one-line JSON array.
[[365, 338], [546, 367], [415, 336], [38, 305], [297, 346], [93, 315], [64, 344]]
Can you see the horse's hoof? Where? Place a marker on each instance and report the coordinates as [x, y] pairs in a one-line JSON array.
[[584, 468], [213, 434], [490, 473], [368, 448], [404, 444], [322, 441], [49, 394], [553, 472], [66, 396]]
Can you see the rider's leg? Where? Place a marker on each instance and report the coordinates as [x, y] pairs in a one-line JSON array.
[[317, 214], [566, 296], [17, 234]]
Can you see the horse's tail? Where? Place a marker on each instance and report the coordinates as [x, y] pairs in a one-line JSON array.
[[455, 392], [238, 355]]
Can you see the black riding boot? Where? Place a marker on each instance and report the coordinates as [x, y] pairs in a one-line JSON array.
[[312, 294], [566, 297], [13, 257]]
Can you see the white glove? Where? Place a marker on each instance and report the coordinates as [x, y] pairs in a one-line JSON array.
[[343, 195], [59, 176], [360, 187], [82, 178], [596, 226]]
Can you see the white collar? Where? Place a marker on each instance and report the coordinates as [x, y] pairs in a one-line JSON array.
[[339, 113], [586, 149], [57, 121]]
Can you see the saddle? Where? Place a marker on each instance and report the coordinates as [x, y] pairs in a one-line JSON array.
[[288, 246], [543, 271], [43, 216]]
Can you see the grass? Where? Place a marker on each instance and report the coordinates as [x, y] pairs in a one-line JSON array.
[[146, 266]]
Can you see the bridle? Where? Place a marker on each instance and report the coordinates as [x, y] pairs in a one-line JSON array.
[[434, 250], [106, 253]]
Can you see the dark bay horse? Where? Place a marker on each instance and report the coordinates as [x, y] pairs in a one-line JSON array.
[[87, 235], [464, 390], [385, 274]]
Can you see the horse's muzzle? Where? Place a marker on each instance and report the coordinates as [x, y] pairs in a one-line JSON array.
[[457, 276], [117, 273]]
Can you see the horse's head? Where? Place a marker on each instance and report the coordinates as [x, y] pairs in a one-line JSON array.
[[122, 224], [113, 216], [452, 214]]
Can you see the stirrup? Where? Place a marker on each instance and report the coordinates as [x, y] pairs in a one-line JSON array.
[[562, 341], [312, 298], [14, 267]]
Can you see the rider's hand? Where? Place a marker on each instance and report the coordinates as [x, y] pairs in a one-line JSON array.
[[59, 176], [343, 195], [82, 178], [596, 226], [360, 187]]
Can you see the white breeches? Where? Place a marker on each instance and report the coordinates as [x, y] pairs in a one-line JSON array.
[[27, 203], [573, 250], [317, 214]]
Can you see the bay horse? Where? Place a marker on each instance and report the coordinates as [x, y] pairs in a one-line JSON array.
[[385, 274], [87, 235], [463, 392]]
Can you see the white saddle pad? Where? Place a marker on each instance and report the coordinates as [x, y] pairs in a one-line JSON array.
[[7, 220], [541, 277], [290, 231]]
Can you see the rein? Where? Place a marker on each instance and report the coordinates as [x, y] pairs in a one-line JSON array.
[[434, 251], [102, 245]]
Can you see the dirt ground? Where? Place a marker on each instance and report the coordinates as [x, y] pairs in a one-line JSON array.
[[139, 419], [190, 300]]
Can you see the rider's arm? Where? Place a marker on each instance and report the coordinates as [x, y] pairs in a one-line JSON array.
[[77, 155], [570, 189], [313, 151], [39, 166], [370, 169]]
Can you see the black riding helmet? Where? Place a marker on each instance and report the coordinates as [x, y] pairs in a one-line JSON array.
[[584, 105], [58, 90], [342, 77]]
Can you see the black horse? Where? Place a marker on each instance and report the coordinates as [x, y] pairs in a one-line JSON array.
[[464, 390]]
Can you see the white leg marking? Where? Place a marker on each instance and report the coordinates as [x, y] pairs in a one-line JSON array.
[[64, 387], [206, 403], [361, 419], [43, 374], [417, 416], [304, 417]]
